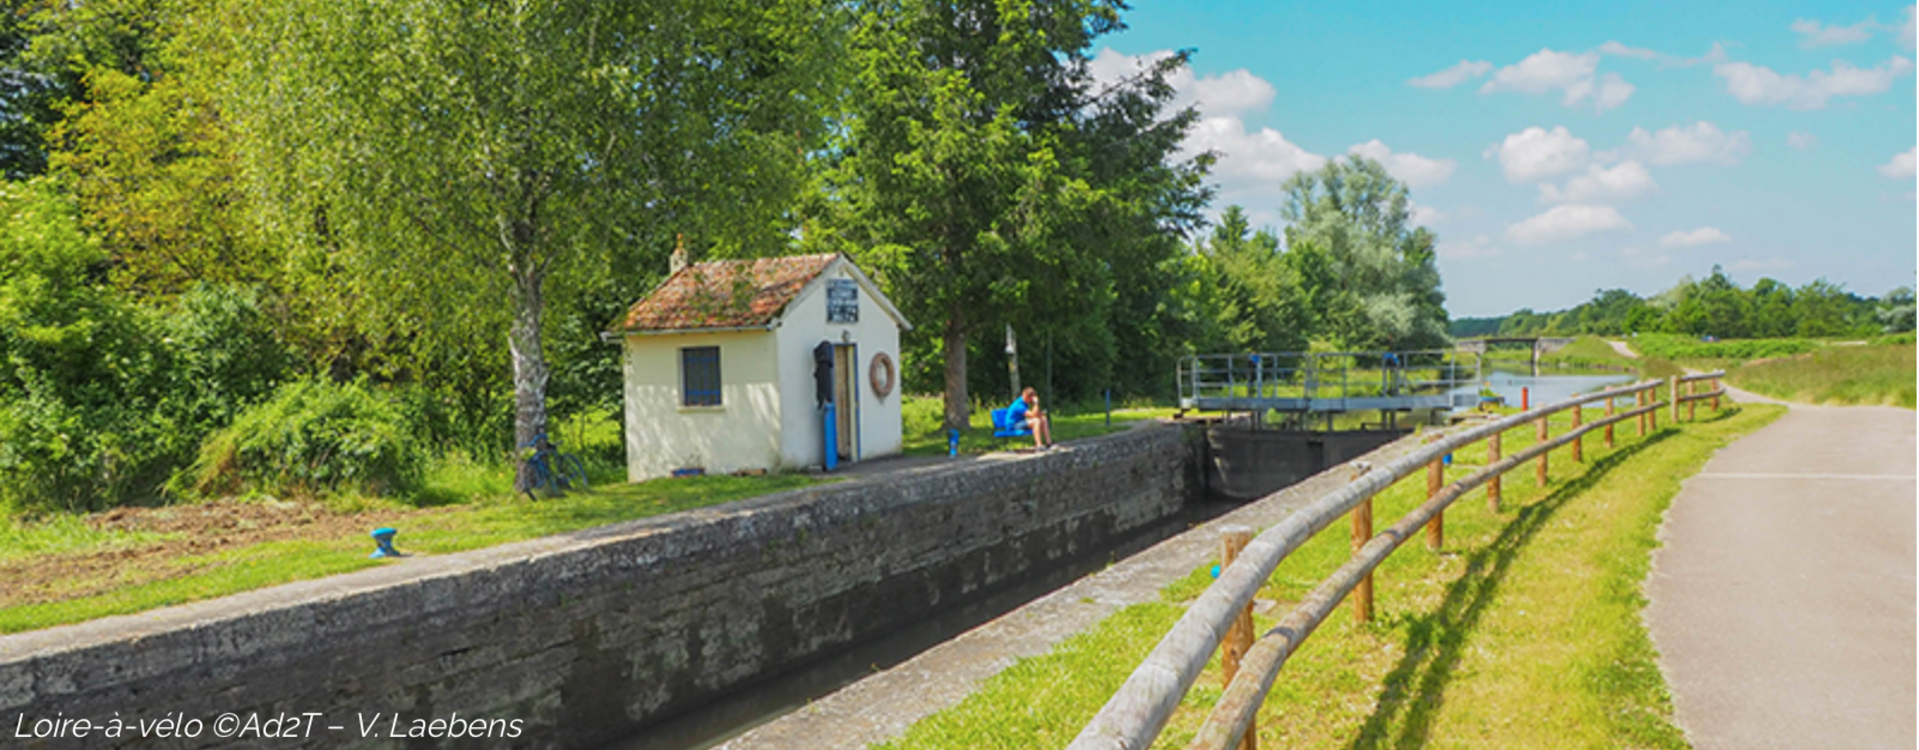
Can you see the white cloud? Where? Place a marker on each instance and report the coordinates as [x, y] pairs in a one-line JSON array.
[[1414, 170], [1626, 181], [1477, 248], [1801, 141], [1536, 153], [1695, 238], [1620, 50], [1905, 29], [1901, 166], [1680, 144], [1760, 85], [1228, 93], [1569, 222], [1250, 160], [1769, 264], [1453, 76], [1573, 73], [1814, 34], [1424, 215]]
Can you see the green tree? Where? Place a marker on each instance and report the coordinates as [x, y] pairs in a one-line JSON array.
[[455, 160], [1384, 281]]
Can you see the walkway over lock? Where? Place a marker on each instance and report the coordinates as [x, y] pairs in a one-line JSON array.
[[1330, 382]]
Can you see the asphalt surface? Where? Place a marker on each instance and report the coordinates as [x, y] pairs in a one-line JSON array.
[[1782, 598]]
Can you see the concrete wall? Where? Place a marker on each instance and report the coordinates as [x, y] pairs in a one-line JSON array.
[[743, 432], [1246, 464], [802, 327], [592, 636]]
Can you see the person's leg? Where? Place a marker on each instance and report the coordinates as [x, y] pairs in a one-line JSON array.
[[1035, 425], [1046, 428]]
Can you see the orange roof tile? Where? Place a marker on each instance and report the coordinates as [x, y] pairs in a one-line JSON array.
[[725, 293]]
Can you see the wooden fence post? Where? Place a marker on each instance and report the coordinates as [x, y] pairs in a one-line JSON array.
[[1436, 528], [1540, 473], [1579, 443], [1652, 415], [1362, 533], [1672, 391], [1239, 638], [1692, 387], [1715, 394], [1492, 485], [1639, 401], [1610, 407]]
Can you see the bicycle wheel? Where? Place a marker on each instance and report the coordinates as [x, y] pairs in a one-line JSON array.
[[572, 472], [539, 476]]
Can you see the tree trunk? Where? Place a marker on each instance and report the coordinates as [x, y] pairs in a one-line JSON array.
[[529, 357], [955, 353]]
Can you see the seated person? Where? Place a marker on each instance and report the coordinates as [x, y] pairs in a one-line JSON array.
[[1027, 410]]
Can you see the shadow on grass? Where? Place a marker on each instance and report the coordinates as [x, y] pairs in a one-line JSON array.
[[1416, 687]]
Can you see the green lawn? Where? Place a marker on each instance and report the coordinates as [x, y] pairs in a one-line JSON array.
[[924, 435], [1524, 633], [1873, 375]]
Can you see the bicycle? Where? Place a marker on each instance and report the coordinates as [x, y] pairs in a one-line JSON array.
[[548, 468]]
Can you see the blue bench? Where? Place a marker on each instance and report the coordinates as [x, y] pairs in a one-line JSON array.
[[1005, 427]]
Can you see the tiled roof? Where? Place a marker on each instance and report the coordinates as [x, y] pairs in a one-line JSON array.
[[725, 293]]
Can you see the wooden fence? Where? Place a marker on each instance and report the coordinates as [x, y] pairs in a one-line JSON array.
[[1222, 615]]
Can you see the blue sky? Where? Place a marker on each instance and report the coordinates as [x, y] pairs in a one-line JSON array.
[[1559, 148]]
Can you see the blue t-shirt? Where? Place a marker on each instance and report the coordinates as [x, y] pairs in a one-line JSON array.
[[1016, 415]]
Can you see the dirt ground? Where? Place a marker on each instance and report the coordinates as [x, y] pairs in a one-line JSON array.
[[192, 537]]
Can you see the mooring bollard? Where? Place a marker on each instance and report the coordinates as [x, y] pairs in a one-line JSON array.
[[1239, 638], [1362, 533], [1525, 399], [1492, 484], [1540, 473], [383, 543]]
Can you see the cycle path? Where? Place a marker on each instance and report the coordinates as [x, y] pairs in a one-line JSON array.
[[1782, 597]]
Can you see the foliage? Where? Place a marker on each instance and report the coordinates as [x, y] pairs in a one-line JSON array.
[[1667, 346], [986, 181], [533, 144], [1712, 306], [313, 438], [1371, 278]]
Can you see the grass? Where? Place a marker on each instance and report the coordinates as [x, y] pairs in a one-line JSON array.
[[483, 513], [1673, 346], [1524, 633], [1584, 353], [924, 435], [1874, 374]]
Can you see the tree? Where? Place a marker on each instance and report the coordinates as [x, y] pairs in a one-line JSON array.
[[1894, 312], [979, 166], [1385, 283], [457, 158]]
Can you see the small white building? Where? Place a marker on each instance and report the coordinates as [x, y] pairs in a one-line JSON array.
[[720, 366]]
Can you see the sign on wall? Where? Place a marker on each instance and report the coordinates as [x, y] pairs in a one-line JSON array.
[[842, 301]]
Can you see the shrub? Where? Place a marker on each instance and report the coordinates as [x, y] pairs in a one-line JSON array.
[[1667, 346], [312, 438]]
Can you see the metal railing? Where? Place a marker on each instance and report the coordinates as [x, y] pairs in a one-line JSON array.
[[1137, 712], [1326, 381]]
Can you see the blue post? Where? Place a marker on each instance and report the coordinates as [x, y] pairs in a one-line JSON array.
[[832, 439], [1109, 407], [952, 443]]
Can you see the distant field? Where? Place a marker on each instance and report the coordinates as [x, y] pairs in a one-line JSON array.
[[1875, 375]]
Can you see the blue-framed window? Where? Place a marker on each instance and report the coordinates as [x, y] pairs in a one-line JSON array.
[[700, 376]]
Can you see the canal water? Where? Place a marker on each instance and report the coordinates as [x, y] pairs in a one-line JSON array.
[[1544, 389]]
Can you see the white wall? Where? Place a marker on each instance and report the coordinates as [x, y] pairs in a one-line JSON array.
[[743, 432], [802, 327]]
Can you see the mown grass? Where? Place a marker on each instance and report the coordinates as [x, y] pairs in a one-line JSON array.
[[1872, 375], [924, 434], [494, 516], [1524, 632], [1584, 353], [1674, 346]]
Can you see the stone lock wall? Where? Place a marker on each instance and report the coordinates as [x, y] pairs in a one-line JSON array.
[[587, 637]]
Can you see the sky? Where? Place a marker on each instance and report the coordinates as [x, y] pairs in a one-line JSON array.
[[1559, 148]]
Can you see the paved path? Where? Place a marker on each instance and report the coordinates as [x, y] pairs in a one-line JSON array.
[[1623, 349], [1782, 600]]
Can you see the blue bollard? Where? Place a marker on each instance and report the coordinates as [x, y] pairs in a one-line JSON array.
[[384, 538], [952, 443], [832, 439]]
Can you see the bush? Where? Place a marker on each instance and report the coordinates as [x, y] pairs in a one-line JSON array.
[[312, 439], [1667, 346]]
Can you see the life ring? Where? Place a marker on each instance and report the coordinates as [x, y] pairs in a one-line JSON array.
[[881, 375]]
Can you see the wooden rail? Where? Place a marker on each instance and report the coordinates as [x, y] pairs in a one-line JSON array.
[[1136, 713]]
